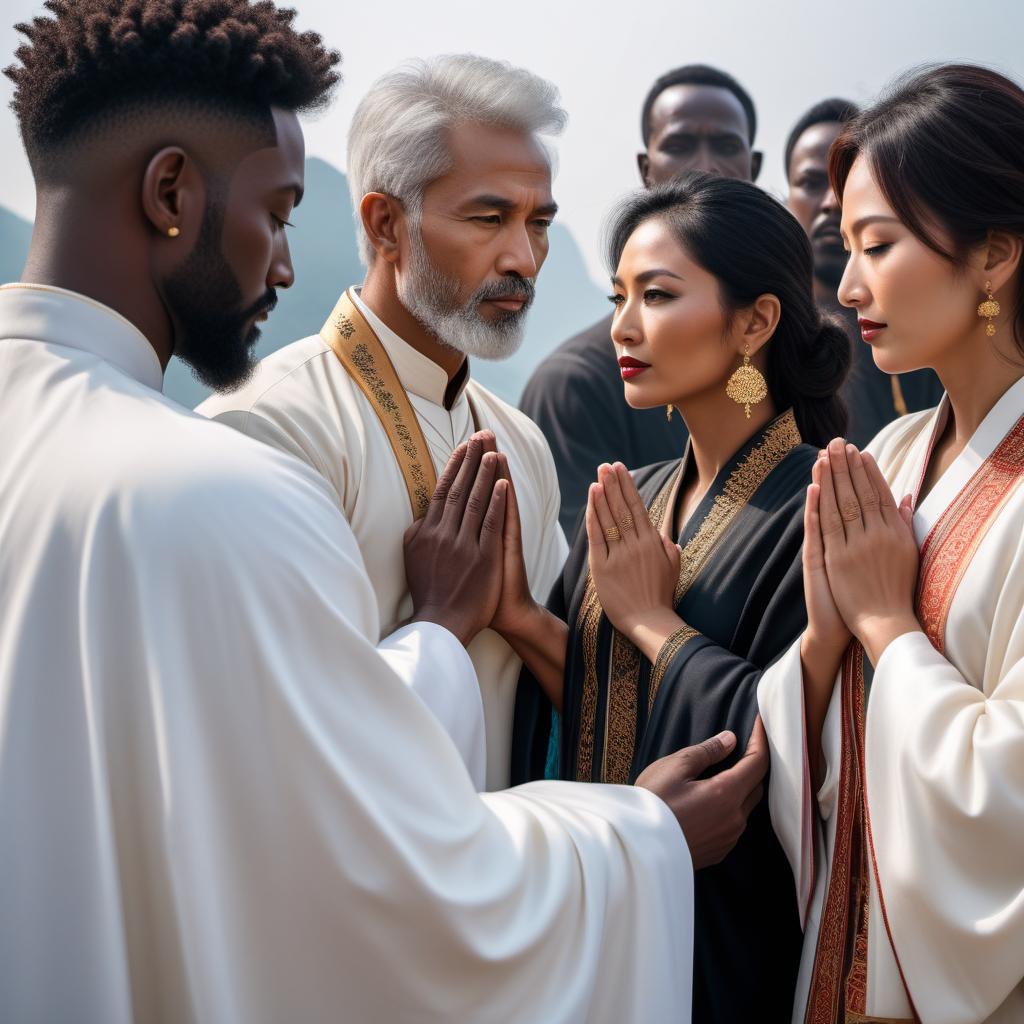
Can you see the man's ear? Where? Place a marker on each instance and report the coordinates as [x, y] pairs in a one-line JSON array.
[[173, 194], [756, 159], [382, 216], [643, 164]]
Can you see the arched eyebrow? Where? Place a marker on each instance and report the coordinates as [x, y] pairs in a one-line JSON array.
[[649, 275], [872, 218]]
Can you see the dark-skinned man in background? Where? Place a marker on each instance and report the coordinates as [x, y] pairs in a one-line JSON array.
[[693, 118], [872, 398]]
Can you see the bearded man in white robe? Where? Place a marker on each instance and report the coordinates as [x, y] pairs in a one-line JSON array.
[[221, 800], [451, 186]]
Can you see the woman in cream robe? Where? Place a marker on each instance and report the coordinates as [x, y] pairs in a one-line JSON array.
[[898, 791]]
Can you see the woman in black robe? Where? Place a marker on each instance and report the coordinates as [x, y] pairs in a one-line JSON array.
[[684, 581]]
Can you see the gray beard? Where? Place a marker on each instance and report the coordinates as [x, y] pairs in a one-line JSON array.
[[432, 297]]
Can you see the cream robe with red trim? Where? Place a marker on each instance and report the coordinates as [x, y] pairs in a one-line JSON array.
[[944, 756]]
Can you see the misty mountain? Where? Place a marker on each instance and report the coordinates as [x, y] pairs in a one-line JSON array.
[[323, 247]]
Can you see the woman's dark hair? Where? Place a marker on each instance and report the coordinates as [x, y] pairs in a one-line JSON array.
[[946, 147], [754, 246]]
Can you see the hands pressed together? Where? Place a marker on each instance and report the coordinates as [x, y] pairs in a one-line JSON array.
[[466, 571], [860, 555]]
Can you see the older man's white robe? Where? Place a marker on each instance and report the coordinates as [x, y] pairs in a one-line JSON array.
[[219, 803], [303, 401], [944, 764]]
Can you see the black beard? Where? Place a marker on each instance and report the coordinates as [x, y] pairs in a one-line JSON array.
[[829, 272], [213, 333]]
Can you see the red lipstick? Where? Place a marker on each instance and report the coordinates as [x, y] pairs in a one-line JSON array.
[[630, 367], [870, 329]]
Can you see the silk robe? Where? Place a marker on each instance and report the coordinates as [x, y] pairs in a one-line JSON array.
[[740, 591], [935, 743], [219, 801], [302, 401]]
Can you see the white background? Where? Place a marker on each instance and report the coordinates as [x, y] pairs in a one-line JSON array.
[[604, 56]]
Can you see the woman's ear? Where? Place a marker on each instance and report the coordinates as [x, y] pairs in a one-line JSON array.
[[382, 215], [757, 324], [999, 259]]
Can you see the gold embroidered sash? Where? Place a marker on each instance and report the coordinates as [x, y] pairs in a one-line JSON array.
[[619, 746], [360, 351], [839, 981]]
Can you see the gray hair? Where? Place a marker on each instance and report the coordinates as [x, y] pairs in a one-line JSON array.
[[397, 144]]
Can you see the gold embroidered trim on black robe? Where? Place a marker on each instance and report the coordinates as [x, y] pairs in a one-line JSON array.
[[619, 746]]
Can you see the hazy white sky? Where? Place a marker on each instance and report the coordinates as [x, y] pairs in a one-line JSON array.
[[603, 56]]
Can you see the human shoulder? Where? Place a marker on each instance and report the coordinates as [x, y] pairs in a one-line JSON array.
[[278, 378], [195, 477], [893, 440], [650, 479]]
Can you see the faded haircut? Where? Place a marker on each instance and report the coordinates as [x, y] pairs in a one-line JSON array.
[[397, 143]]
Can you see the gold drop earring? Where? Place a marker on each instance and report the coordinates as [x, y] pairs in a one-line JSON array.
[[747, 385], [989, 310], [669, 409]]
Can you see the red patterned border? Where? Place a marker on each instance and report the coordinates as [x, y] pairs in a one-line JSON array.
[[956, 537]]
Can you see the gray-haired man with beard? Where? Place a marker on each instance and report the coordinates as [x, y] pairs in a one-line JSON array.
[[452, 191]]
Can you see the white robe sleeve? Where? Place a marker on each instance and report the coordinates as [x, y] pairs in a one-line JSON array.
[[443, 677], [795, 810], [945, 785], [278, 829]]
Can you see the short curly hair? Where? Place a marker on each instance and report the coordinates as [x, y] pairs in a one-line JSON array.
[[93, 55]]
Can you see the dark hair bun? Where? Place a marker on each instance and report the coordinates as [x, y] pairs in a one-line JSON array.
[[822, 368]]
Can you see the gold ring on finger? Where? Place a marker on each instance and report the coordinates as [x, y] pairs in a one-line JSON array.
[[627, 522], [612, 533]]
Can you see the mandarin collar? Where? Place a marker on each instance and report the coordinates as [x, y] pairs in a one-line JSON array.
[[56, 316], [418, 375]]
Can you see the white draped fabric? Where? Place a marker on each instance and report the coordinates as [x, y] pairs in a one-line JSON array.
[[302, 401], [219, 802], [944, 767]]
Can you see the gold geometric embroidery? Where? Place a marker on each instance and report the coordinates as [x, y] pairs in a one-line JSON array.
[[620, 720], [360, 352], [779, 440], [669, 649], [619, 747], [587, 625]]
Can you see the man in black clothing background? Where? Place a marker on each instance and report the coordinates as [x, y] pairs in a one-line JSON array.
[[694, 118], [873, 398]]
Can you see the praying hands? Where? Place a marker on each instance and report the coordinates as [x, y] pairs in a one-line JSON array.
[[634, 567], [860, 569]]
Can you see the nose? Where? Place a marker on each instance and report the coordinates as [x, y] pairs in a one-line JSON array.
[[626, 329], [705, 161], [852, 291], [518, 255], [830, 204], [281, 273]]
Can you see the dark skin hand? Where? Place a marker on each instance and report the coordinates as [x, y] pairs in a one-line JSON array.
[[465, 570], [538, 637], [711, 812], [453, 554]]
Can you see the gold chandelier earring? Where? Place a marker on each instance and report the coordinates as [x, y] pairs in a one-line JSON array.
[[989, 310], [747, 385]]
